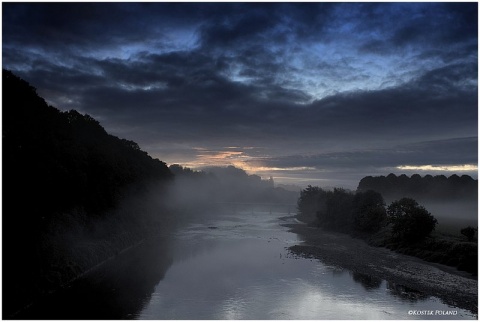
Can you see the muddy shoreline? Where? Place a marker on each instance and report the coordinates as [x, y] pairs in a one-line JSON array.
[[453, 287]]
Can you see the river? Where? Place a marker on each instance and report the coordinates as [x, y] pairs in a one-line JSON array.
[[235, 267]]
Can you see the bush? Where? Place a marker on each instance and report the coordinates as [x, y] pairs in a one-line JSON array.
[[410, 221], [468, 232]]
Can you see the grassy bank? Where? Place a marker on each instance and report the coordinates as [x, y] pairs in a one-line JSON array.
[[439, 248]]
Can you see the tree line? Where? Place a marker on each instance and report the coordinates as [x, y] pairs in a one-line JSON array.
[[404, 225], [427, 187], [365, 212]]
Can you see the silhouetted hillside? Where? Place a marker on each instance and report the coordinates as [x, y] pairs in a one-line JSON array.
[[63, 177], [66, 157]]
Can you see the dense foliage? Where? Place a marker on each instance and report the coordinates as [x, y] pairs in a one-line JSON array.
[[410, 221], [337, 210], [468, 232], [364, 211], [82, 164], [370, 212], [63, 175], [311, 200], [404, 226], [342, 210]]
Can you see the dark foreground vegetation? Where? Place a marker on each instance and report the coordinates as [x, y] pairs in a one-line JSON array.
[[75, 196], [65, 188], [404, 225]]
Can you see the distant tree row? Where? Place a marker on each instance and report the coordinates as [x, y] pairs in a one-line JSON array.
[[365, 211], [424, 188]]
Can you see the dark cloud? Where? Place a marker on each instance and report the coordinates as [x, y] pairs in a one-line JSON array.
[[291, 78], [237, 29], [464, 21], [441, 152], [422, 27], [81, 27]]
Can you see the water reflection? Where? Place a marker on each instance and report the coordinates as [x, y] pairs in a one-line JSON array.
[[368, 282], [406, 293], [239, 270], [371, 283], [242, 269], [117, 290]]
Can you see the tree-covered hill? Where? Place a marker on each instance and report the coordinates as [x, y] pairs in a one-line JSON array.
[[59, 160], [64, 178]]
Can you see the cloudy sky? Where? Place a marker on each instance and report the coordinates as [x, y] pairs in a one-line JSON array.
[[309, 93]]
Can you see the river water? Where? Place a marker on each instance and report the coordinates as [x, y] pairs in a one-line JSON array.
[[240, 268], [235, 267]]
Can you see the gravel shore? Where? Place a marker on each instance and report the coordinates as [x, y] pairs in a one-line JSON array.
[[447, 283]]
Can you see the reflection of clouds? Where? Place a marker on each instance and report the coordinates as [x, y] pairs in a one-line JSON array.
[[236, 272], [309, 301], [233, 309]]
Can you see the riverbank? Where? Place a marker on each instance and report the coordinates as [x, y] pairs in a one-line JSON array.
[[450, 285]]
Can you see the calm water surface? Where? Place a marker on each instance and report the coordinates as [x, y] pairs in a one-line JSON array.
[[239, 268], [234, 268]]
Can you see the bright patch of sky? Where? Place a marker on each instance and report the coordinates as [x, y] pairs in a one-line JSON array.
[[149, 87], [166, 41], [443, 168], [323, 69]]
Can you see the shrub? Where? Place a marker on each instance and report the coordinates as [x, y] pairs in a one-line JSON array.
[[468, 232], [410, 221]]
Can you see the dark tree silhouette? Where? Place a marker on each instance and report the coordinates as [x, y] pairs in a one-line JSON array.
[[468, 232], [369, 211], [309, 203], [63, 176], [338, 211], [410, 221]]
